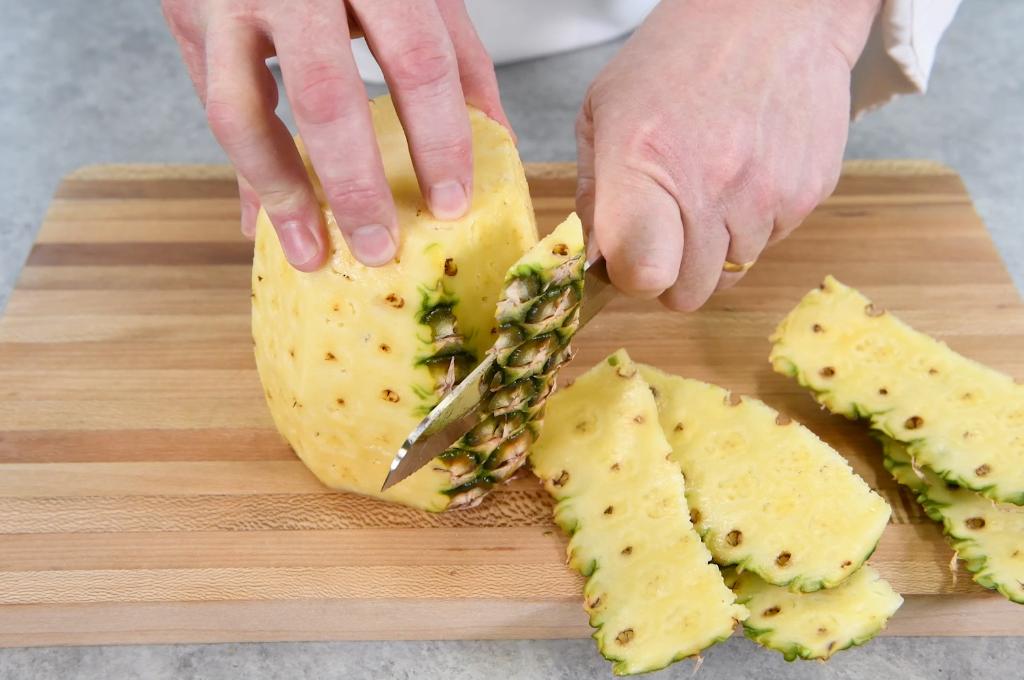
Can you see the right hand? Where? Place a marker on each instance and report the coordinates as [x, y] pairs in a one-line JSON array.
[[433, 62]]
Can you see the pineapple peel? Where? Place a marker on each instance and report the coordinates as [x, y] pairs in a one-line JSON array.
[[819, 624], [652, 593], [988, 538], [764, 491], [962, 420]]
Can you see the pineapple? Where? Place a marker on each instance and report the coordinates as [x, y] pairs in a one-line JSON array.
[[651, 593], [960, 419], [989, 537], [764, 492], [537, 316], [816, 625], [352, 357]]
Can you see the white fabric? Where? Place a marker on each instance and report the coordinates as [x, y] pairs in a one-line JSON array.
[[513, 30], [900, 51], [897, 59]]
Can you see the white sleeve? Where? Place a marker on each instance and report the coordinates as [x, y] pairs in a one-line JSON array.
[[900, 51]]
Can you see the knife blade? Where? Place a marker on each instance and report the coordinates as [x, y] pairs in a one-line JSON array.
[[458, 412]]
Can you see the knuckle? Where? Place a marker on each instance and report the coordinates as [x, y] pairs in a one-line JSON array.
[[643, 278], [228, 119], [804, 201], [353, 196], [683, 301], [424, 63], [451, 149], [319, 93]]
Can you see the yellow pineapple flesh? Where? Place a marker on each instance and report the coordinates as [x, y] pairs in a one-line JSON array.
[[352, 357], [819, 624], [987, 536], [765, 492], [652, 593], [962, 420]]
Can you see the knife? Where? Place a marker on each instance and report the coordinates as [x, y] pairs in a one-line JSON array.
[[458, 412]]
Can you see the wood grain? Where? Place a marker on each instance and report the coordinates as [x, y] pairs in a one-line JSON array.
[[145, 497]]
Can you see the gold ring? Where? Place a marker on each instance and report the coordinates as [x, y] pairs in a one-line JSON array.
[[734, 268]]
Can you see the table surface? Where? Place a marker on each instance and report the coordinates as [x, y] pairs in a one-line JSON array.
[[133, 425], [64, 96]]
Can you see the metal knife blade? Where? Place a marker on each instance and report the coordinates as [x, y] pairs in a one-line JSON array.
[[457, 413]]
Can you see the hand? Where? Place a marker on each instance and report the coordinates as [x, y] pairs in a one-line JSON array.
[[433, 61], [716, 130]]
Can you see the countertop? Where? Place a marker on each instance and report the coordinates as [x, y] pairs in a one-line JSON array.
[[102, 82]]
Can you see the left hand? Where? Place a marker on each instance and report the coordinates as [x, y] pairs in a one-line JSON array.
[[716, 130]]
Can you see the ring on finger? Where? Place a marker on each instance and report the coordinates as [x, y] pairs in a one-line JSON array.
[[733, 268]]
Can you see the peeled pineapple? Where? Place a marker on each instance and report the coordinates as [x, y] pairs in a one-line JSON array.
[[962, 420], [764, 491], [987, 536], [352, 357], [816, 625], [651, 592]]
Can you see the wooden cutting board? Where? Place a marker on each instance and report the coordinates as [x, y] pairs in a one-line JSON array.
[[145, 497]]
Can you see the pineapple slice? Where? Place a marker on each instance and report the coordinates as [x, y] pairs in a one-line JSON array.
[[764, 492], [816, 625], [961, 419], [651, 593], [988, 537], [352, 357], [537, 316]]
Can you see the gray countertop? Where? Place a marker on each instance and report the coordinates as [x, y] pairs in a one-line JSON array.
[[101, 82]]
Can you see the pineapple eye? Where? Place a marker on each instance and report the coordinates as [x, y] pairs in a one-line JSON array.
[[734, 537], [982, 470], [771, 611], [625, 636], [975, 522], [783, 559], [450, 268], [914, 422]]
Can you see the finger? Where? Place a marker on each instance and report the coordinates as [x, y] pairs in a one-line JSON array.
[[476, 70], [585, 183], [638, 226], [749, 229], [707, 242], [240, 110], [333, 116], [415, 53], [250, 205]]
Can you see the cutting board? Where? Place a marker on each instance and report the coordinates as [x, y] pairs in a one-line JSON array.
[[145, 497]]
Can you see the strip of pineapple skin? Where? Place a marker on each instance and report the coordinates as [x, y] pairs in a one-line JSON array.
[[962, 419], [816, 625], [765, 492], [987, 536], [652, 593]]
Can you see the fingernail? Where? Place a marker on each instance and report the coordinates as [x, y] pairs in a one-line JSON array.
[[248, 219], [298, 243], [448, 200], [372, 245]]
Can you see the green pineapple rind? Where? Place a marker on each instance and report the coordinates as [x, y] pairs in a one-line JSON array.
[[553, 272], [793, 650], [936, 500], [786, 366]]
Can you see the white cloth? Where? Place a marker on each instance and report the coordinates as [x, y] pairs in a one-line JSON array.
[[897, 59]]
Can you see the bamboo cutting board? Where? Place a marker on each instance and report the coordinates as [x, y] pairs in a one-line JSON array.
[[145, 497]]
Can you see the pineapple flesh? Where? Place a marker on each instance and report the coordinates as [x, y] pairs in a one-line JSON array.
[[987, 536], [651, 591], [537, 316], [816, 625], [352, 357], [764, 492], [962, 420]]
